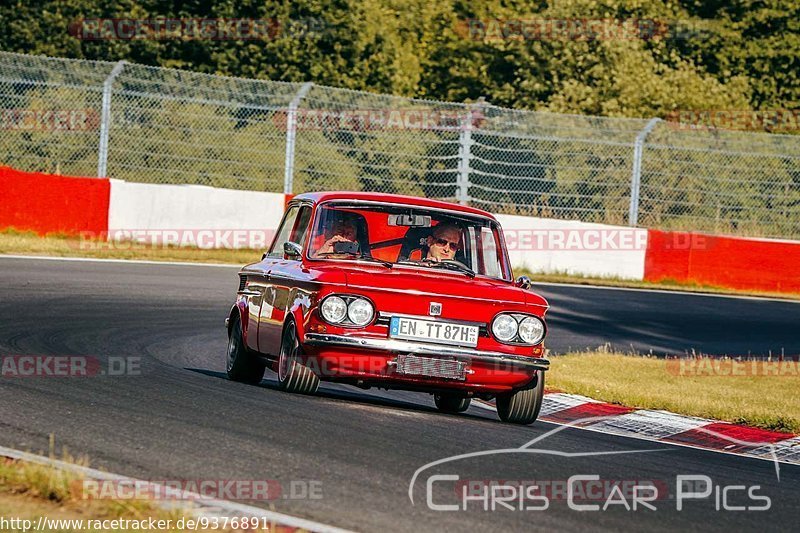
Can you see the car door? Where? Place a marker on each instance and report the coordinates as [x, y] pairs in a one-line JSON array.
[[282, 272]]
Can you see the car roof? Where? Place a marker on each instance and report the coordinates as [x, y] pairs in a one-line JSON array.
[[317, 197]]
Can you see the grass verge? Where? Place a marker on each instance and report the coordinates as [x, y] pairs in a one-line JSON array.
[[29, 491], [29, 243], [664, 285], [701, 387]]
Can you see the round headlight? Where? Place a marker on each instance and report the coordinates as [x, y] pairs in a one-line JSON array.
[[504, 328], [531, 330], [333, 309], [360, 312]]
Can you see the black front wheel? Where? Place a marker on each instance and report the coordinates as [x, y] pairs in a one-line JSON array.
[[243, 365], [451, 403], [522, 406], [293, 376]]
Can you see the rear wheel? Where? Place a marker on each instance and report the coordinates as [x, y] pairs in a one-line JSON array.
[[522, 406], [242, 364], [451, 403], [293, 376]]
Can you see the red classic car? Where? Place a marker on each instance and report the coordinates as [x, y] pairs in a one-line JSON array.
[[387, 291]]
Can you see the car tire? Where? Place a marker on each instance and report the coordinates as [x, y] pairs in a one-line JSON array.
[[522, 406], [242, 364], [451, 403], [293, 376]]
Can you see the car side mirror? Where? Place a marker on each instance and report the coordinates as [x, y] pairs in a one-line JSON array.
[[524, 282], [292, 250]]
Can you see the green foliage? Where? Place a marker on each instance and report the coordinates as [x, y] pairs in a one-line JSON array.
[[183, 126], [715, 55]]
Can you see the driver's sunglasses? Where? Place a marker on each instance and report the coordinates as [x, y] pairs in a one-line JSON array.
[[454, 246]]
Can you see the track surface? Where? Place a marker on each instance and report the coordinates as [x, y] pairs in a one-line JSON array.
[[180, 419]]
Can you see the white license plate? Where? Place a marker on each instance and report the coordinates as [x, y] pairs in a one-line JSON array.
[[433, 331]]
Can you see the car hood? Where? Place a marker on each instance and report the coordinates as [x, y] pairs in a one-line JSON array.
[[437, 283]]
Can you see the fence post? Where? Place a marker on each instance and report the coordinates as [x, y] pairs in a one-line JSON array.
[[105, 120], [464, 155], [291, 135], [636, 174]]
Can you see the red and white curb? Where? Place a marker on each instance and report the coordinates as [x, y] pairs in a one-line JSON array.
[[663, 426], [189, 502]]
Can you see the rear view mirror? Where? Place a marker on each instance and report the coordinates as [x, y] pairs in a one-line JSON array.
[[415, 221]]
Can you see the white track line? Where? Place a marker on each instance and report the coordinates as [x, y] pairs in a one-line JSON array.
[[666, 291], [535, 283], [205, 505], [104, 260]]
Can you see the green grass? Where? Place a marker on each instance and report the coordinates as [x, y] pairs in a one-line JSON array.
[[765, 401], [32, 490]]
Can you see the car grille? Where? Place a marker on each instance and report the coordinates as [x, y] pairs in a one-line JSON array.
[[431, 367], [242, 282]]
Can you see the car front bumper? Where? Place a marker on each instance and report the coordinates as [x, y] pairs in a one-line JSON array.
[[398, 346]]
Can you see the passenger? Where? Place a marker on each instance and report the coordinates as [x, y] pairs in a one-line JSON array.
[[339, 229], [444, 242]]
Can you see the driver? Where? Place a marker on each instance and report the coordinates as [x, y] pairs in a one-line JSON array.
[[339, 229], [444, 242]]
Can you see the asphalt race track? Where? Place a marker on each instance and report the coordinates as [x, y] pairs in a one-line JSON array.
[[179, 418]]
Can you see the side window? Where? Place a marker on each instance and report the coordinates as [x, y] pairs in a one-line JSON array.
[[301, 229], [284, 231], [491, 254]]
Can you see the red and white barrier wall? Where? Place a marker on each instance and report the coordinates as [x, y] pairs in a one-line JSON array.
[[56, 204], [739, 263], [45, 203], [572, 247], [189, 214]]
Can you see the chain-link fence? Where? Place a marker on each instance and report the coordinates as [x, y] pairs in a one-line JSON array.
[[159, 125]]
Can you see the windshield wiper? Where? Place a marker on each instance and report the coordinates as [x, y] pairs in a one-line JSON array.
[[456, 265], [387, 264], [351, 254], [447, 263], [359, 257]]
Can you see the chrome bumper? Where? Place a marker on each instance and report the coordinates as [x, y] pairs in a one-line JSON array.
[[419, 348]]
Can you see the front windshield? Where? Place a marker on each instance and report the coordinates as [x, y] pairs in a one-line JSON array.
[[409, 236]]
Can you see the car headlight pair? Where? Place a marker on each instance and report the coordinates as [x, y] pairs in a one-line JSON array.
[[518, 328], [347, 310]]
